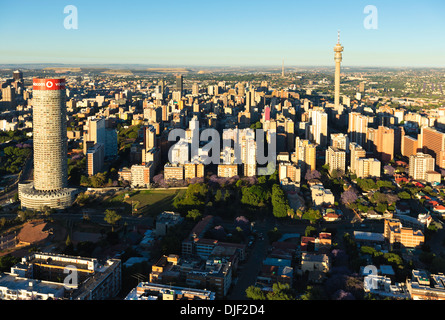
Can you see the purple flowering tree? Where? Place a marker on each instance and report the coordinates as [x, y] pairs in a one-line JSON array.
[[349, 196]]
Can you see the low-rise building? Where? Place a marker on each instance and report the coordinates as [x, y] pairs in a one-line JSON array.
[[395, 232], [156, 291], [322, 196], [166, 220], [58, 276], [173, 172], [425, 286]]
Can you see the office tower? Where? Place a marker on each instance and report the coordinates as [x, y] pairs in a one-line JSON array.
[[338, 49], [240, 89], [433, 142], [419, 165], [152, 113], [250, 163], [318, 130], [368, 167], [17, 75], [250, 99], [49, 187], [8, 97], [282, 69], [162, 85], [305, 155], [336, 159], [340, 141], [100, 130], [177, 96], [195, 89], [266, 114], [149, 137], [111, 145], [165, 113], [384, 143], [289, 128], [357, 152], [95, 159], [179, 85], [362, 87], [94, 132], [357, 128]]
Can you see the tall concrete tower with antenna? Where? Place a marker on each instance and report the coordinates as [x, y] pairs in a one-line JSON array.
[[338, 49], [282, 69]]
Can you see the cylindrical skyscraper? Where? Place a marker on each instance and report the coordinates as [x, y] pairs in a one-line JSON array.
[[338, 49], [49, 134], [50, 148]]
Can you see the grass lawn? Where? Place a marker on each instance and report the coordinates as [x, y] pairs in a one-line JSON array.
[[148, 202]]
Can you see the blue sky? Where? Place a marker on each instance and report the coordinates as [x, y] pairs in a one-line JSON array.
[[226, 32]]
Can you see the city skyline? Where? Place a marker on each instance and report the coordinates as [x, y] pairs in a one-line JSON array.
[[229, 34]]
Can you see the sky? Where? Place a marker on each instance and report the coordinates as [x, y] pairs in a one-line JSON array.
[[409, 33]]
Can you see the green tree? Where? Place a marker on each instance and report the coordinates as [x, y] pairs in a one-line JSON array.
[[194, 214], [218, 195], [279, 202], [312, 215], [280, 291], [404, 195], [255, 293], [310, 231], [112, 217], [314, 293], [7, 261]]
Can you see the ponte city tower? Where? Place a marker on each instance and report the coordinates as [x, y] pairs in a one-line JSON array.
[[338, 49], [49, 188]]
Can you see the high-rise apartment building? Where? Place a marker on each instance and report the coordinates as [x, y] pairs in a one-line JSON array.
[[419, 165], [95, 159], [336, 159], [318, 130], [432, 142], [356, 152], [367, 167], [384, 143], [250, 162], [357, 128], [49, 187], [340, 141], [409, 145], [149, 137], [305, 154]]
